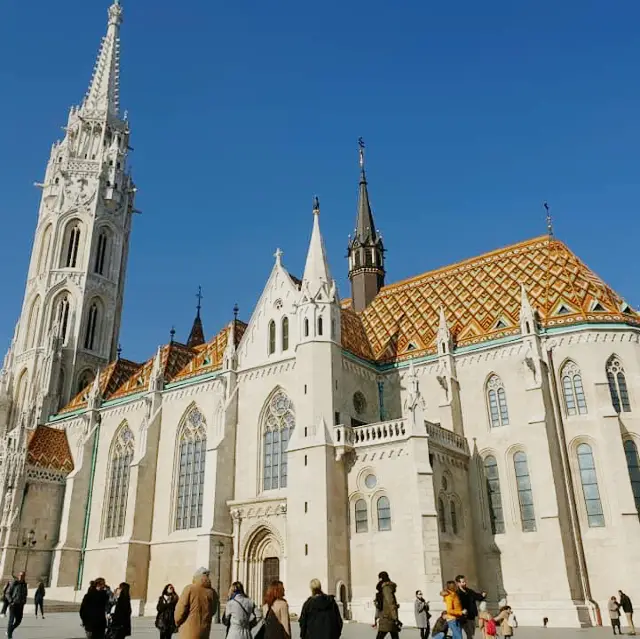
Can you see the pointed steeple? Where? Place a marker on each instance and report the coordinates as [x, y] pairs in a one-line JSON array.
[[528, 318], [196, 336], [444, 334], [316, 271], [103, 96], [365, 250]]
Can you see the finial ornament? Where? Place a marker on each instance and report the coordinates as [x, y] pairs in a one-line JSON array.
[[199, 297], [119, 351], [278, 255], [172, 333], [316, 205], [236, 310], [361, 153], [115, 13], [549, 220]]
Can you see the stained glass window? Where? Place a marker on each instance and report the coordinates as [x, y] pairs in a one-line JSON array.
[[589, 481], [618, 386], [384, 513], [573, 391], [497, 402], [454, 518], [285, 333], [192, 453], [118, 486], [525, 493], [272, 337], [362, 525], [496, 514], [442, 516], [633, 466], [278, 426]]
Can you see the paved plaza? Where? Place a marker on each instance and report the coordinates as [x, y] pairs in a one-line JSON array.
[[66, 625]]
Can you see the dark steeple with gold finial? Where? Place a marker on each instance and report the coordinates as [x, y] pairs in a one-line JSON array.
[[196, 336], [365, 250]]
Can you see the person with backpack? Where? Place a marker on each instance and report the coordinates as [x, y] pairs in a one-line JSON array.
[[240, 613], [504, 621], [488, 626], [277, 624]]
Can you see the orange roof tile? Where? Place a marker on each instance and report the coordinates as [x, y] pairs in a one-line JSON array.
[[481, 298], [48, 448]]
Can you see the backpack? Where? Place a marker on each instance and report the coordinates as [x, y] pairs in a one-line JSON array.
[[490, 628]]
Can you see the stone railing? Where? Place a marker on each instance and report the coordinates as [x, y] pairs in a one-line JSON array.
[[369, 434], [447, 438]]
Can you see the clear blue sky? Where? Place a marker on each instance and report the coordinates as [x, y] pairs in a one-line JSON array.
[[473, 114]]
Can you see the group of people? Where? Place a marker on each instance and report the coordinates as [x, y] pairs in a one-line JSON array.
[[105, 613], [615, 606]]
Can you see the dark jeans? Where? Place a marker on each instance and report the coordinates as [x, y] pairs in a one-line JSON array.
[[15, 618], [166, 635], [424, 633], [5, 605], [381, 635], [39, 606], [94, 634], [615, 623]]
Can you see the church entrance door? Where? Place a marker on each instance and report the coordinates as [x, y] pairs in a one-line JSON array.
[[270, 572]]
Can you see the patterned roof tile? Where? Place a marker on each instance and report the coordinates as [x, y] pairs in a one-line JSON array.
[[48, 448]]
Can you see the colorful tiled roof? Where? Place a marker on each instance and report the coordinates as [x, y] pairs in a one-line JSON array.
[[481, 298], [178, 361], [48, 448]]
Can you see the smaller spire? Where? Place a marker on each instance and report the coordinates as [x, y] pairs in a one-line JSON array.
[[444, 334], [199, 298], [196, 336], [156, 379], [549, 219], [94, 398], [278, 255], [316, 270], [528, 319]]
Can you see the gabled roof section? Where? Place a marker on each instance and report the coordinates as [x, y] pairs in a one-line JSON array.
[[354, 337], [49, 448], [479, 292]]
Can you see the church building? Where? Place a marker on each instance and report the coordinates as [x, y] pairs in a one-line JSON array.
[[482, 418]]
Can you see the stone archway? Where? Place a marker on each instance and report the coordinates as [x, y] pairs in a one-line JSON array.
[[262, 560]]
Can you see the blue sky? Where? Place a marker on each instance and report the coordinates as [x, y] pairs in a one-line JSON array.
[[473, 114]]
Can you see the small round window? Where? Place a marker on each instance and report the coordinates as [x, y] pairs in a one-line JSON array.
[[370, 481], [359, 402]]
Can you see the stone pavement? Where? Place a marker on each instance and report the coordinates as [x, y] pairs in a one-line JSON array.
[[66, 625]]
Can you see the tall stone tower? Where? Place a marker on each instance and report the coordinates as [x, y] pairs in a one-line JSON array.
[[365, 251], [70, 318]]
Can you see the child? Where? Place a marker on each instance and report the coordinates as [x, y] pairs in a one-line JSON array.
[[504, 621]]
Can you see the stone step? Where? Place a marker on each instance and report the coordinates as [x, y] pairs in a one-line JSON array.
[[50, 605]]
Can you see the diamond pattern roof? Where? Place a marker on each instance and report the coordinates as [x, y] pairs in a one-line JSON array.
[[48, 448]]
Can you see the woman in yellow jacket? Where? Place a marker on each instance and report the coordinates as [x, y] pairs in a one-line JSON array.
[[453, 608]]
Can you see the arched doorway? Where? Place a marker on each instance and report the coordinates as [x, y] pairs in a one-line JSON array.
[[344, 604], [262, 561]]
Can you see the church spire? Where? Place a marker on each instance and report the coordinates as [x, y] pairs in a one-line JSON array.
[[316, 271], [365, 250], [196, 336], [103, 96]]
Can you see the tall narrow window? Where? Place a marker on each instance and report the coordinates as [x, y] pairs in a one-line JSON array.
[[32, 324], [525, 493], [320, 326], [492, 478], [272, 337], [589, 481], [362, 524], [454, 518], [192, 452], [573, 391], [384, 513], [306, 327], [101, 253], [497, 402], [279, 422], [442, 516], [92, 322], [618, 385], [61, 316], [73, 245], [45, 247], [118, 486], [285, 333], [633, 466]]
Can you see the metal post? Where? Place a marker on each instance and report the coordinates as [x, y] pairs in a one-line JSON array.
[[219, 551]]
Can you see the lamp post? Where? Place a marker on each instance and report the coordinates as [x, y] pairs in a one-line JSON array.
[[219, 552], [28, 542]]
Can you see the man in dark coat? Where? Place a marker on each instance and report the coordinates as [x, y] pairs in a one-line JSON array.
[[627, 608], [320, 617], [17, 598], [93, 610], [469, 599]]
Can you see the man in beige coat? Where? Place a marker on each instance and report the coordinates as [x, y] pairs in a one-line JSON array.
[[196, 607]]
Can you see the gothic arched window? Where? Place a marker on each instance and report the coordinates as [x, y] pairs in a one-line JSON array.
[[454, 518], [72, 246], [384, 513], [618, 385], [525, 493], [279, 422], [572, 389], [118, 486], [492, 478], [272, 337], [589, 481], [32, 324], [362, 524], [306, 327], [192, 451], [92, 323], [100, 265], [85, 379], [285, 333], [61, 311], [633, 466], [497, 402], [442, 516]]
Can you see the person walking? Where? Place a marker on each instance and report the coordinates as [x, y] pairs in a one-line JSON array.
[[166, 609], [240, 614], [388, 621], [614, 615], [421, 609], [5, 601], [503, 620], [38, 599], [440, 627], [320, 617], [93, 610], [17, 597], [196, 606], [486, 623], [469, 599], [277, 624], [119, 625], [627, 608], [454, 609]]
